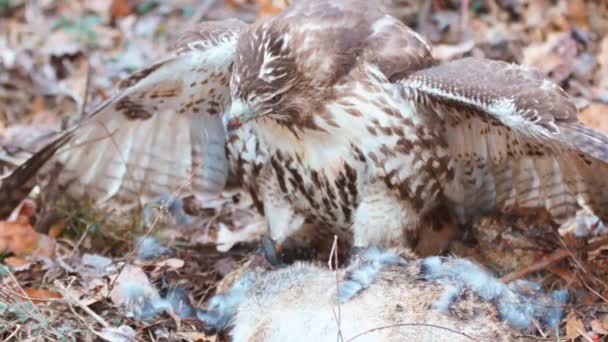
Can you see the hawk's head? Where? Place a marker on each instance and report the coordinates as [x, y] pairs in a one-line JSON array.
[[266, 81], [283, 70]]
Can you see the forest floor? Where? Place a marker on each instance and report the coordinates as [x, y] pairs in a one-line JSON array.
[[65, 265]]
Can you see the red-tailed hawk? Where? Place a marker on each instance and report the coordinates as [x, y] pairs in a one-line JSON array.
[[337, 114]]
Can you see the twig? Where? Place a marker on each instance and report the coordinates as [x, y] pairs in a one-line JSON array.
[[553, 258], [574, 258], [74, 301], [12, 334], [333, 255], [79, 242], [543, 264], [592, 290], [583, 334], [24, 294], [87, 87]]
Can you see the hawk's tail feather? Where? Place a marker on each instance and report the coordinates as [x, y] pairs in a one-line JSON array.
[[15, 187]]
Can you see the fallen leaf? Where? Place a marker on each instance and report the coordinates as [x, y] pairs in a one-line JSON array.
[[20, 238], [56, 230], [17, 237], [574, 326], [16, 261], [124, 333], [196, 336], [267, 8], [120, 9], [171, 263], [41, 295], [595, 116], [598, 327]]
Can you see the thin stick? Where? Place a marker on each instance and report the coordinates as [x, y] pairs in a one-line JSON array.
[[553, 258], [75, 247], [71, 300], [333, 255], [541, 265], [12, 334], [87, 87]]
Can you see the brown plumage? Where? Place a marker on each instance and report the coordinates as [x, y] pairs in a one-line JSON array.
[[348, 121]]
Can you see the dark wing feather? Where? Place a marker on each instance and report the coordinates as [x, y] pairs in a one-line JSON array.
[[160, 133], [513, 139]]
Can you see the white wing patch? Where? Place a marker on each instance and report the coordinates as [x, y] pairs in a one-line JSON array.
[[161, 134]]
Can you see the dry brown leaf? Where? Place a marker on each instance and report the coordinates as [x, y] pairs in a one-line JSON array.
[[598, 327], [171, 263], [39, 105], [596, 116], [41, 295], [17, 237], [237, 3], [196, 336], [90, 295], [56, 230], [267, 8], [17, 262], [574, 326], [577, 13], [120, 8]]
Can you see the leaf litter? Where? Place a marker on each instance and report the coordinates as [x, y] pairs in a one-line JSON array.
[[123, 274]]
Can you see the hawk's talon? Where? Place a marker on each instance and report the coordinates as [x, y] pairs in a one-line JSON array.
[[270, 252]]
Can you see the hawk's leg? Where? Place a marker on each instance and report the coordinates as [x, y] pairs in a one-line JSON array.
[[364, 269], [382, 219], [269, 249], [174, 205], [283, 221]]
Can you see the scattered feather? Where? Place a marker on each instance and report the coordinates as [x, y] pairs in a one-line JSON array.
[[178, 300], [518, 303], [222, 308], [448, 297], [362, 274], [149, 248], [174, 205]]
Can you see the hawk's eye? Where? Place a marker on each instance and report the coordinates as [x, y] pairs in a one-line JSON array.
[[275, 99]]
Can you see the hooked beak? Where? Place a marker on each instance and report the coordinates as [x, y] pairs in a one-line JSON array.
[[239, 113]]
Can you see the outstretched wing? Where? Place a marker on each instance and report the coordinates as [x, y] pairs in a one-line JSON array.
[[513, 139], [161, 131]]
